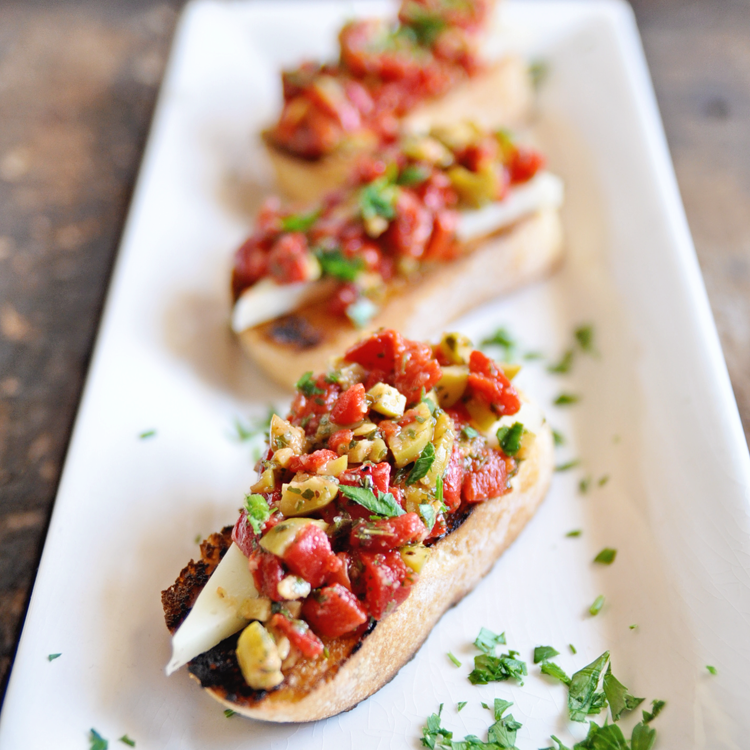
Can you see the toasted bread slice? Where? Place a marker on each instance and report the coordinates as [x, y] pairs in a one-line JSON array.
[[419, 307], [502, 96], [359, 665]]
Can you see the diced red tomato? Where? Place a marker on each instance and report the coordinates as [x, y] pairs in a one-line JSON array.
[[388, 533], [314, 405], [340, 440], [310, 557], [379, 352], [386, 581], [299, 634], [351, 405], [311, 462], [267, 574], [250, 264], [453, 480], [345, 295], [524, 164], [489, 383], [341, 575], [243, 535], [333, 611], [379, 473], [288, 260], [442, 245], [487, 477], [417, 369], [410, 231]]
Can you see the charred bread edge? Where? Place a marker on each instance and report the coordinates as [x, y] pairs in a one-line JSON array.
[[525, 252], [500, 97], [457, 563]]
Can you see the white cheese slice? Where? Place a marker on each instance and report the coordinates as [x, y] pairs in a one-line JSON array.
[[544, 190], [215, 614], [266, 300]]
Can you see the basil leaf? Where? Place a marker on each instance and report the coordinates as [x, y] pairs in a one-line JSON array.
[[488, 668], [413, 174], [257, 510], [618, 696], [335, 263], [378, 198], [585, 338], [127, 740], [52, 657], [97, 741], [606, 556], [469, 432], [583, 686], [422, 465], [553, 670], [503, 731], [460, 706], [383, 505], [608, 737], [643, 737], [487, 640], [428, 515], [510, 438], [306, 385], [432, 732], [542, 653], [656, 708], [299, 222]]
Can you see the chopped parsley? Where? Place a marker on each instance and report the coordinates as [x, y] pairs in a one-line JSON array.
[[422, 465], [488, 667], [433, 733], [384, 504], [97, 741], [632, 627], [469, 432], [596, 607], [127, 740], [52, 657], [618, 696], [147, 434], [563, 366], [584, 484], [711, 669], [530, 356], [568, 465], [585, 337], [306, 385], [538, 70], [426, 26], [428, 515], [510, 438], [542, 653], [299, 222], [487, 640], [574, 532], [228, 712], [606, 556], [378, 199], [424, 399], [453, 659], [583, 695], [503, 339], [566, 399], [258, 511], [335, 263], [603, 480], [558, 437], [572, 648], [198, 538], [460, 706]]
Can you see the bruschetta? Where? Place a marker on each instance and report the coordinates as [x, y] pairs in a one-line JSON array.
[[398, 478], [426, 230], [426, 69]]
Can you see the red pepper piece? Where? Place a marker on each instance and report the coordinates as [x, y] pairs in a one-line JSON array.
[[267, 574], [299, 634], [379, 352], [351, 405], [453, 480], [310, 557], [388, 533], [487, 476], [386, 582], [311, 462], [417, 369], [488, 382]]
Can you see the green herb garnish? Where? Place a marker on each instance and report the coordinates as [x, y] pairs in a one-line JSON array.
[[299, 222], [228, 712], [558, 437], [306, 385], [489, 668], [566, 399], [147, 434], [542, 653], [553, 670], [97, 741], [378, 199], [584, 484], [422, 465], [583, 697], [460, 706], [568, 465], [412, 174], [711, 669], [383, 505], [502, 338], [52, 657], [428, 515], [603, 480], [606, 556], [538, 70], [335, 263], [487, 640], [656, 709], [574, 532], [564, 365], [425, 399], [596, 607], [433, 733], [127, 741], [585, 337], [618, 696], [572, 648], [510, 438], [453, 659], [258, 511], [469, 433]]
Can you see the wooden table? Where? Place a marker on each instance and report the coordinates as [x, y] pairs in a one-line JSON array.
[[78, 82]]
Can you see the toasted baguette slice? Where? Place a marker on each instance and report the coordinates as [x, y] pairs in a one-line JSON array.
[[418, 308], [500, 97], [357, 667]]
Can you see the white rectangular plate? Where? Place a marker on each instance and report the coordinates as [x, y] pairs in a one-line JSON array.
[[656, 416]]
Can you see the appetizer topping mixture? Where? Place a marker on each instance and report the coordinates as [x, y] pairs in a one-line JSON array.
[[384, 70], [399, 213], [379, 458]]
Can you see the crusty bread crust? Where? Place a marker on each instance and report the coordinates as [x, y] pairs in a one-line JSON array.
[[502, 96], [418, 309], [457, 563]]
